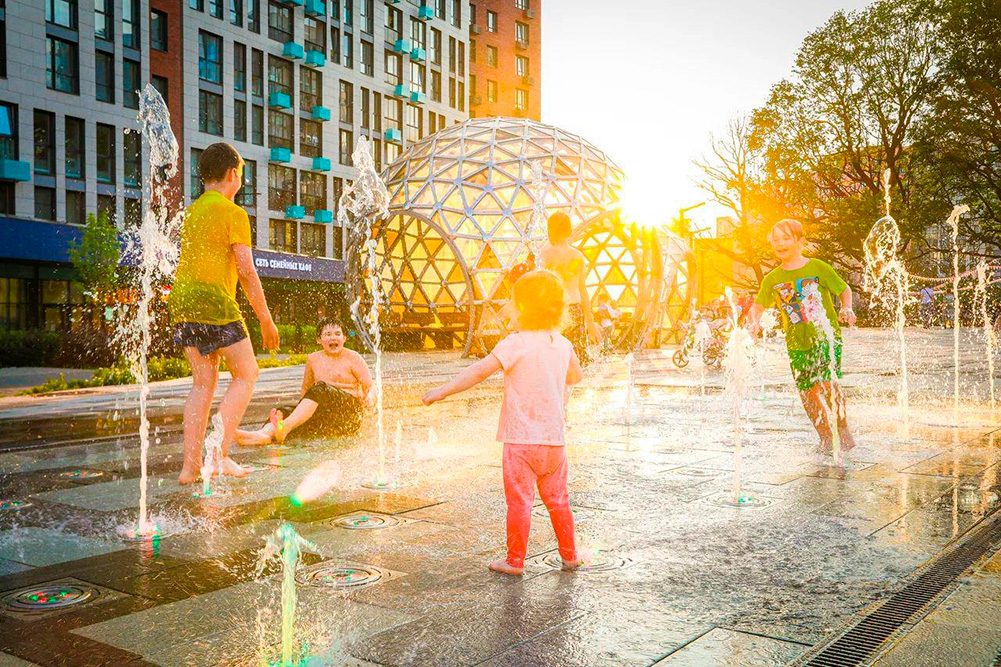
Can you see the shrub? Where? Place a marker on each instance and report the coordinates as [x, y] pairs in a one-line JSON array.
[[28, 348]]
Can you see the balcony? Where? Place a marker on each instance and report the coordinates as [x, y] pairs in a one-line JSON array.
[[294, 212], [401, 90], [474, 29], [321, 113], [294, 3], [418, 97], [529, 13], [528, 80], [293, 50], [475, 100], [425, 13], [281, 155], [393, 134], [401, 46], [323, 215], [521, 45], [279, 100], [419, 55], [15, 170], [316, 58], [321, 164], [315, 8]]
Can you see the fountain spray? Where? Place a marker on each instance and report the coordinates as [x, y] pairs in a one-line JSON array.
[[285, 545], [540, 188], [702, 334], [629, 392], [153, 249], [990, 335], [813, 312], [362, 203], [737, 367], [953, 221], [213, 454]]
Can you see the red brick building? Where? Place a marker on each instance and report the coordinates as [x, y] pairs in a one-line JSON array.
[[166, 68], [505, 58]]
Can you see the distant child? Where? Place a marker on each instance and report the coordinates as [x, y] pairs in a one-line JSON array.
[[215, 255], [787, 287], [608, 315], [336, 386], [539, 364]]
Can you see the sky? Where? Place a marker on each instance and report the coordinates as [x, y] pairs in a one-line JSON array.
[[648, 81]]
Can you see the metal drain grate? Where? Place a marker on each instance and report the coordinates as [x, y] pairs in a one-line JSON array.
[[344, 575], [860, 643], [52, 598], [366, 521]]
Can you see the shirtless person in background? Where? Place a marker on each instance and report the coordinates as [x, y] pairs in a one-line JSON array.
[[336, 387], [571, 266]]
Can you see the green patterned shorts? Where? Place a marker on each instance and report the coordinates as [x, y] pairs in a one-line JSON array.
[[810, 367]]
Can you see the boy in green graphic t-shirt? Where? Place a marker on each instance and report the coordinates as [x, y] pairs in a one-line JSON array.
[[803, 289]]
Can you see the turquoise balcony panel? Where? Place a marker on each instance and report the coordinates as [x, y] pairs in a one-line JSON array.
[[393, 134], [321, 164], [419, 55], [418, 98], [323, 215], [425, 13], [315, 8], [281, 155], [294, 212], [401, 90], [401, 46], [279, 100], [15, 170], [315, 58], [293, 50], [321, 113], [295, 3]]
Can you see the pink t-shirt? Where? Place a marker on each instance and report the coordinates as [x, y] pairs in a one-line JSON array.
[[535, 367]]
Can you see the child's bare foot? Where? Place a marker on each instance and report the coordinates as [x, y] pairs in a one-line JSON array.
[[503, 567], [230, 467], [188, 475], [277, 419], [571, 565]]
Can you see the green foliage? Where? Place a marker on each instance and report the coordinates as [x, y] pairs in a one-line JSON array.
[[96, 256], [28, 348]]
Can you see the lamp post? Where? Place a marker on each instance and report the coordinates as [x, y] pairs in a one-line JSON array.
[[683, 222]]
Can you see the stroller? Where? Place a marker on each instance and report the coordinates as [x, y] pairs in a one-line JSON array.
[[714, 346]]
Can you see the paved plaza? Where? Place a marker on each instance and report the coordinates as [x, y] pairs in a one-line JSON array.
[[678, 576]]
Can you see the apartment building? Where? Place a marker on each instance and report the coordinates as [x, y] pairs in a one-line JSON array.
[[291, 83], [505, 58]]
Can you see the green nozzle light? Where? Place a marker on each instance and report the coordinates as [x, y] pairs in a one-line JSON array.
[[295, 500]]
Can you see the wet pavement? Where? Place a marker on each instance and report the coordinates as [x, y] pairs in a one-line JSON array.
[[678, 576]]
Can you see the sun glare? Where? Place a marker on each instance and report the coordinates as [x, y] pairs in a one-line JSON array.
[[644, 205]]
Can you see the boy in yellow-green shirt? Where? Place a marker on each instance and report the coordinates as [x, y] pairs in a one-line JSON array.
[[215, 255]]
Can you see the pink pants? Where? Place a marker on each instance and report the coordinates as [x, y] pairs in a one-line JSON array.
[[526, 466]]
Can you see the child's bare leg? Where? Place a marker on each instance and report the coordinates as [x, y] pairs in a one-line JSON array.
[[816, 408], [844, 433], [261, 436], [243, 366], [302, 414], [204, 374]]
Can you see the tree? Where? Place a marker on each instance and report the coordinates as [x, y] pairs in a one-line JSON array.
[[96, 257]]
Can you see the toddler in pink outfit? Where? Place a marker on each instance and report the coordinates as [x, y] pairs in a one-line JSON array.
[[538, 365]]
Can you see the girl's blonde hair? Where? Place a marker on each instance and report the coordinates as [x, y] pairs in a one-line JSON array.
[[793, 228], [538, 296]]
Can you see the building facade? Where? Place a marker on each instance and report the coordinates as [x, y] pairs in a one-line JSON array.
[[292, 84], [505, 58]]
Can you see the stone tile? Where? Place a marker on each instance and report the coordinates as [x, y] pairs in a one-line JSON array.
[[933, 644], [113, 495], [726, 647], [8, 660], [11, 567], [47, 546]]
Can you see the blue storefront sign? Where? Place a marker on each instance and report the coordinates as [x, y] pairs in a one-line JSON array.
[[31, 240]]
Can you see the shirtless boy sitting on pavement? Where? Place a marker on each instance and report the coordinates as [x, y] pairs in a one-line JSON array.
[[336, 387]]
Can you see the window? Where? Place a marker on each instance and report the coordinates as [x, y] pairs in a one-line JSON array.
[[439, 8], [61, 12], [45, 203], [198, 5], [367, 15], [239, 120], [472, 14], [435, 51], [282, 235], [491, 21], [133, 213], [451, 92], [45, 142], [394, 69], [310, 138], [393, 111], [157, 29], [348, 52], [472, 86], [104, 19], [257, 73], [130, 83], [210, 113], [462, 96], [521, 65], [521, 4], [279, 22], [75, 147], [130, 23], [105, 153], [366, 109], [394, 24], [62, 71], [257, 125], [162, 86], [239, 67], [415, 123], [247, 196], [236, 12], [312, 191], [312, 239], [435, 86], [346, 144], [315, 35], [521, 32], [281, 187], [348, 12], [76, 207], [310, 88], [280, 74], [107, 205], [367, 59], [132, 158], [472, 50], [457, 13], [215, 8], [492, 56], [521, 99], [347, 106], [418, 34], [209, 57], [196, 179], [105, 74], [418, 77], [462, 59], [335, 45], [451, 54], [280, 130], [254, 15]]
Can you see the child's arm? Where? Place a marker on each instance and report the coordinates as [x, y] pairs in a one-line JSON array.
[[251, 284], [574, 372], [364, 377], [754, 318], [308, 378], [847, 313], [470, 377]]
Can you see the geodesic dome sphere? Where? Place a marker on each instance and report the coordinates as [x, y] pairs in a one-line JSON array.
[[466, 196]]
